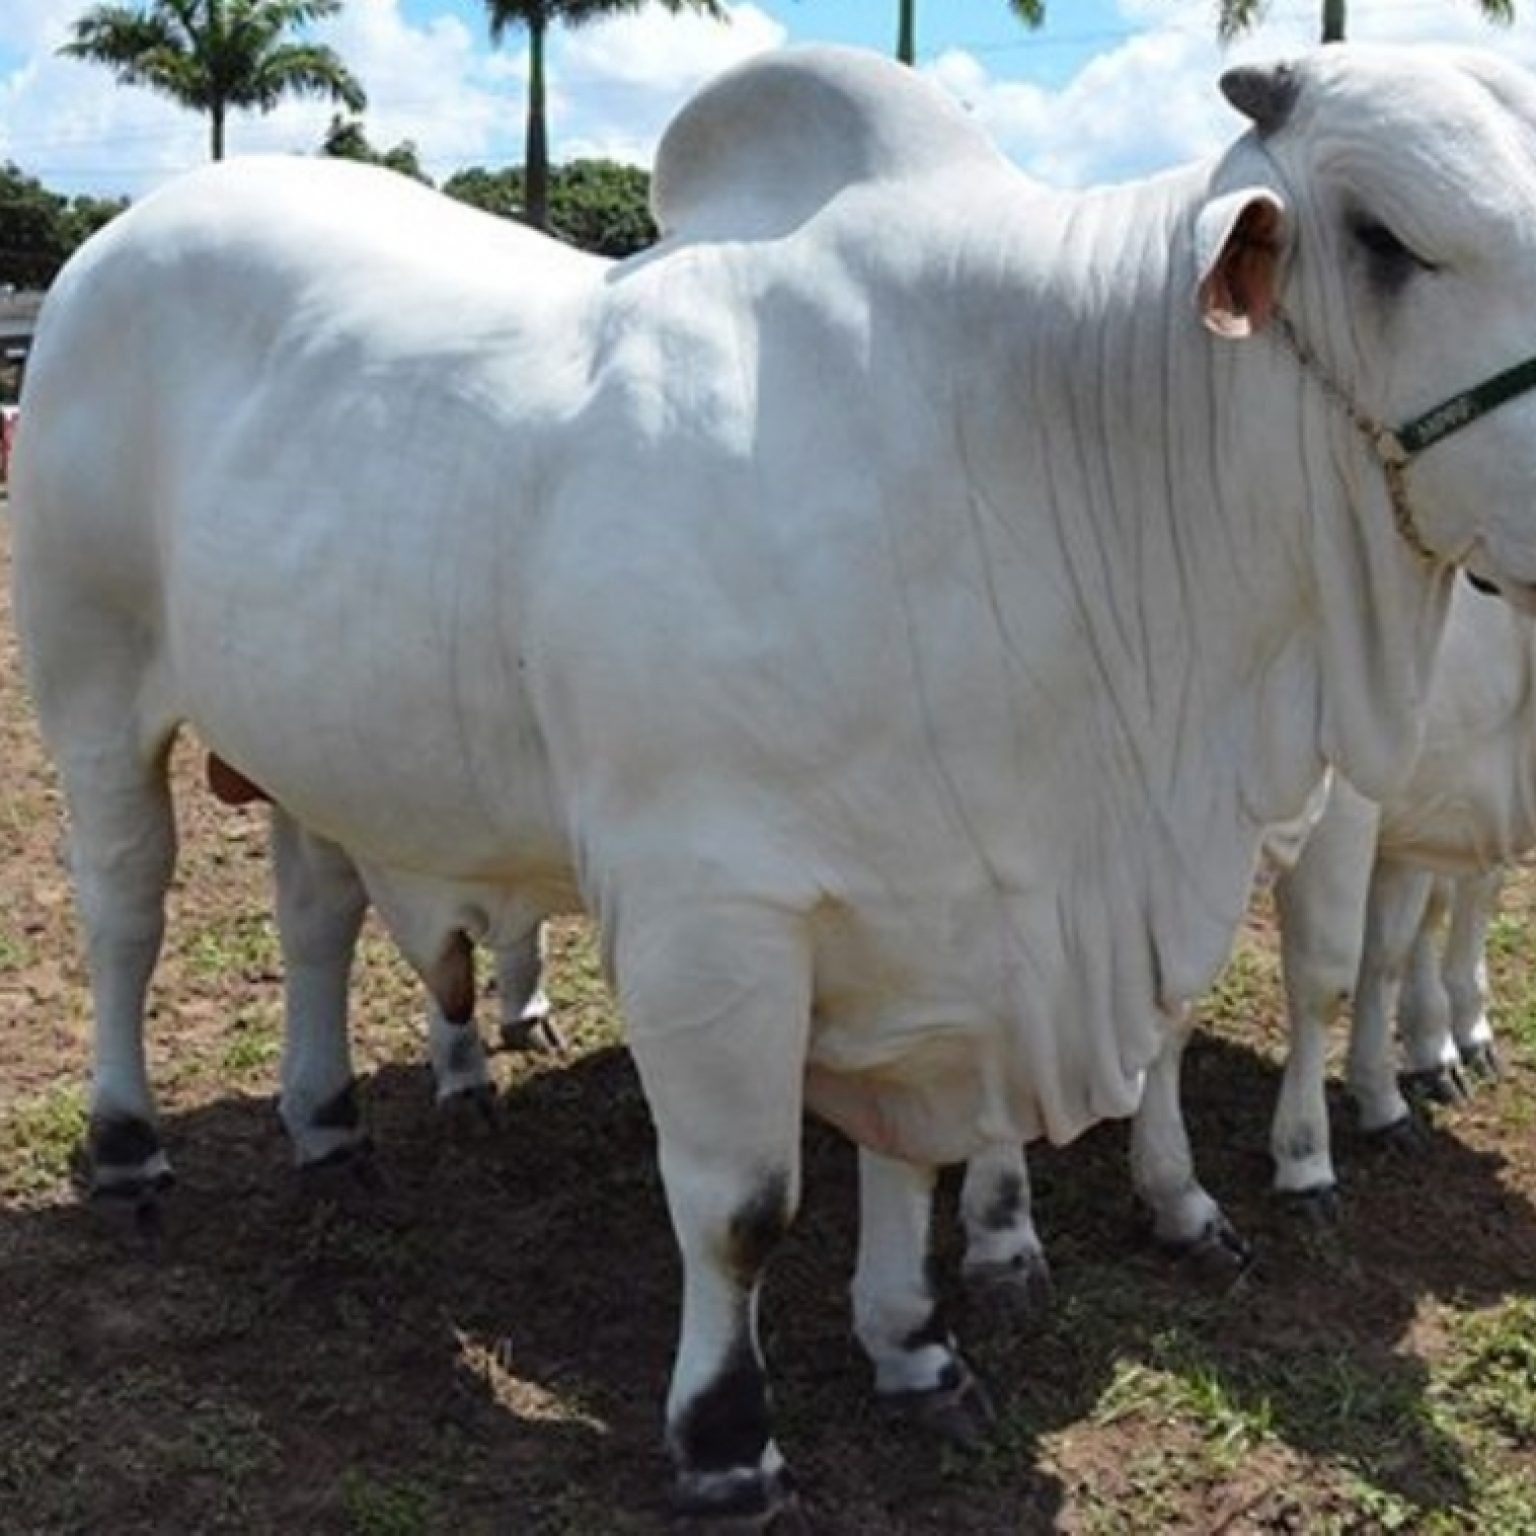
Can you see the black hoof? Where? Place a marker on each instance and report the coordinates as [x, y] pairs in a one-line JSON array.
[[1218, 1256], [1317, 1207], [1013, 1295], [1407, 1138], [738, 1503], [536, 1036], [123, 1161], [134, 1212], [343, 1176], [471, 1111], [1481, 1061], [1435, 1085], [960, 1414]]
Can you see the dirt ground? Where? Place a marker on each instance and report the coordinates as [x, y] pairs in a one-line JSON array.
[[482, 1345]]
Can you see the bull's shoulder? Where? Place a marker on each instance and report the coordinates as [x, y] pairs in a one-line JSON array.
[[767, 144]]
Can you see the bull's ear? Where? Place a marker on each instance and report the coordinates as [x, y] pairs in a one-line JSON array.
[[1240, 241]]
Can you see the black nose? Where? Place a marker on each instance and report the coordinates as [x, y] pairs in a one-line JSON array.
[[1482, 584]]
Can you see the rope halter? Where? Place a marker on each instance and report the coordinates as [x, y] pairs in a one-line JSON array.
[[1396, 447]]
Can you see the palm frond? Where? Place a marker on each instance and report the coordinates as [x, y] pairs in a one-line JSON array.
[[1234, 17]]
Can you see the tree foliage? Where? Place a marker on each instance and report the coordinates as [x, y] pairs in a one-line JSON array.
[[1234, 17], [217, 56], [537, 16], [598, 205], [346, 139], [39, 229]]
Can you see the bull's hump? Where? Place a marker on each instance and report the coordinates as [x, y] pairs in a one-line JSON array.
[[763, 147]]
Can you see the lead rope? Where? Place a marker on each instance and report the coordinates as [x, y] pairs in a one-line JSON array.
[[1383, 442]]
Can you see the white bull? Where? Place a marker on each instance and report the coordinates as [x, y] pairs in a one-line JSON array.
[[1359, 909], [884, 605]]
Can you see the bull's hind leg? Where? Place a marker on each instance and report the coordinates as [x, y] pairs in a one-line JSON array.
[[320, 907], [897, 1318], [718, 1009], [122, 851], [525, 1012], [1005, 1269]]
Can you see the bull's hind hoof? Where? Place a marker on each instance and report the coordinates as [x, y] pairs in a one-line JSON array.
[[1317, 1207], [124, 1163], [343, 1176], [134, 1214], [1407, 1137], [740, 1502], [959, 1413], [1435, 1085], [537, 1036], [473, 1112], [1012, 1295]]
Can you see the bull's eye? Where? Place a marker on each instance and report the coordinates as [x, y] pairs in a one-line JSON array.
[[1392, 262]]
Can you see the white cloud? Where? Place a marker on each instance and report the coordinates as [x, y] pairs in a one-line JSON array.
[[612, 88], [1148, 99], [1151, 100], [620, 81]]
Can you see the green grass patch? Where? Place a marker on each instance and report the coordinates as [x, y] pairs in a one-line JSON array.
[[386, 1507], [241, 945], [39, 1138], [16, 953], [254, 1044]]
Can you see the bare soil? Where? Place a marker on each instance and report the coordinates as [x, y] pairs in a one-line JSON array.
[[482, 1345]]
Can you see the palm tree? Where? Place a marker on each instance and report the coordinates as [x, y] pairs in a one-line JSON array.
[[538, 16], [217, 55], [1030, 12], [1237, 16]]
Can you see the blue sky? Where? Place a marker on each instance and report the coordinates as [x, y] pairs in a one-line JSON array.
[[1108, 89]]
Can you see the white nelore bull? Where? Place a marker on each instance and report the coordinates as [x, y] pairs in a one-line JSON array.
[[885, 605], [1358, 911]]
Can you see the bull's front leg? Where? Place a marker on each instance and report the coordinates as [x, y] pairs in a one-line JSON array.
[[1432, 1064], [1395, 911], [1474, 901], [718, 1010]]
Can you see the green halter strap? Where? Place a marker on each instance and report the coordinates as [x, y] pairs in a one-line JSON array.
[[1395, 447]]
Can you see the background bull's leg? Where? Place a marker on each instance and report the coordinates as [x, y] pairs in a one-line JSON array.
[[122, 844], [1320, 902], [1394, 914], [1184, 1216], [1432, 1062], [718, 1011], [1004, 1268], [1474, 900], [525, 1021], [896, 1314], [320, 907]]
